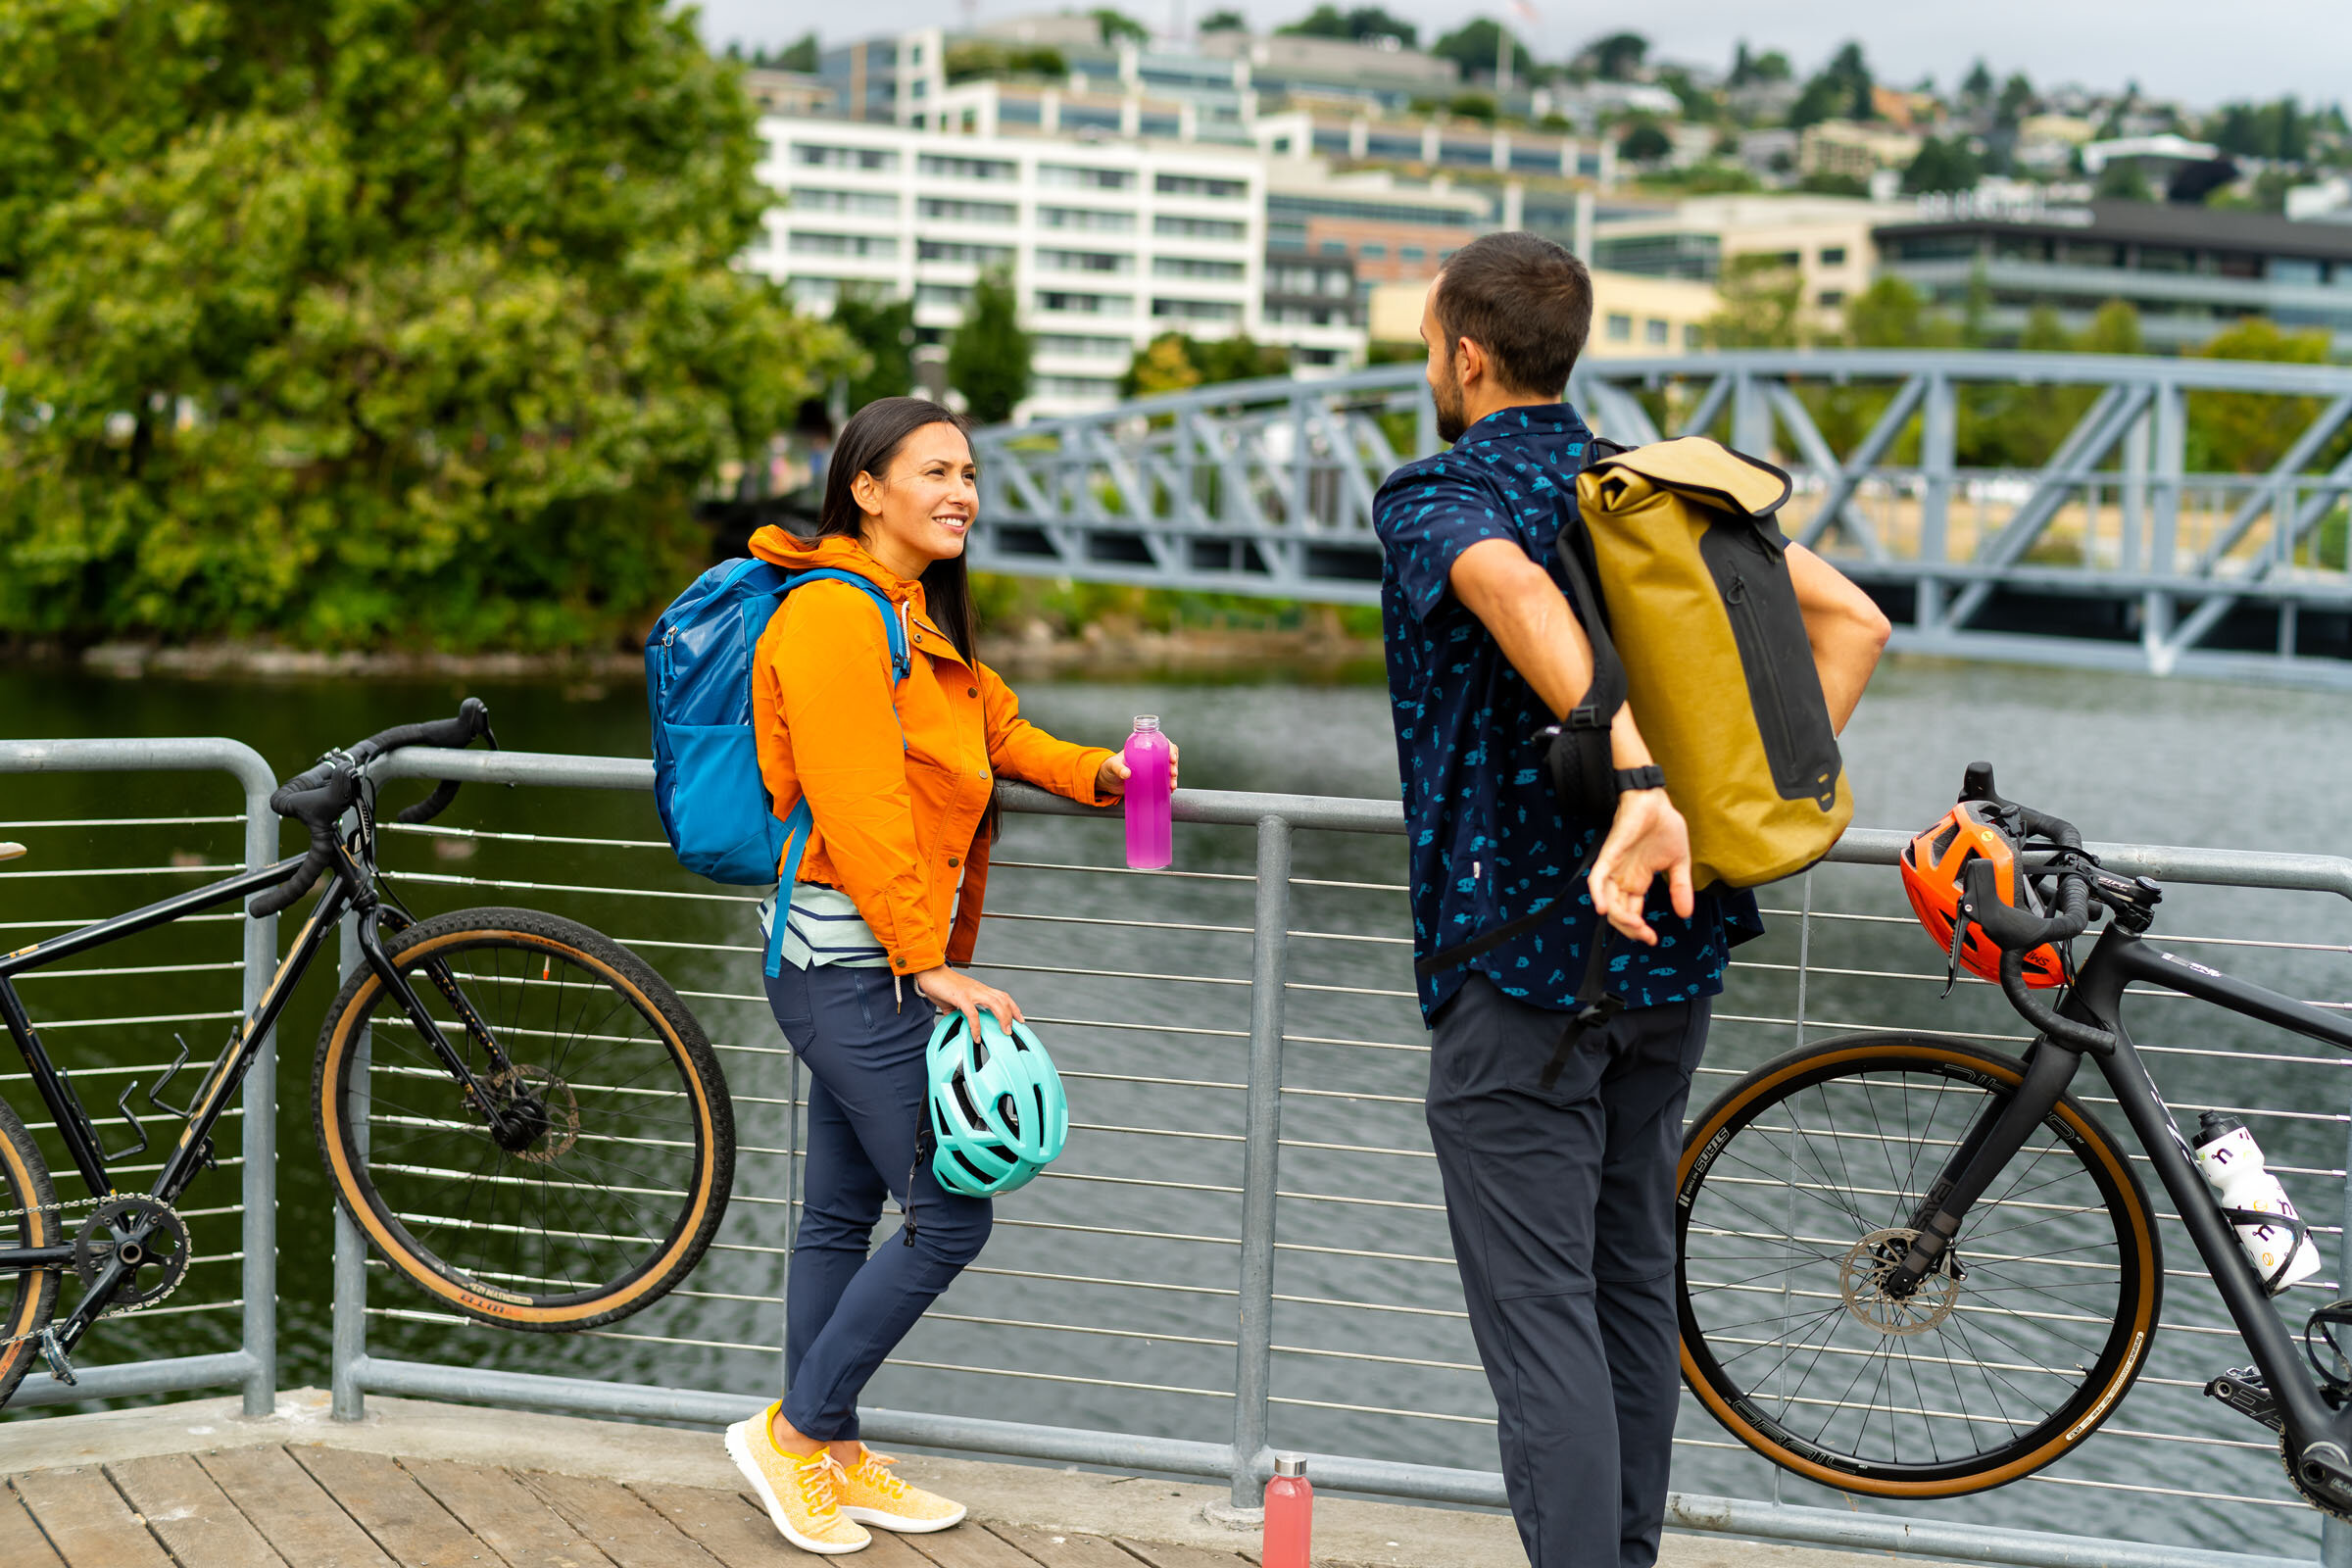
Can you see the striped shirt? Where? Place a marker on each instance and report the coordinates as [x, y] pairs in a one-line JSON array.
[[823, 927]]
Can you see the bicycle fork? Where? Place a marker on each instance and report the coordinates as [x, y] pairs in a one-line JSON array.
[[514, 1117]]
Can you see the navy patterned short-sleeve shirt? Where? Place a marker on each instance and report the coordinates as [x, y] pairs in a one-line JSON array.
[[1487, 839]]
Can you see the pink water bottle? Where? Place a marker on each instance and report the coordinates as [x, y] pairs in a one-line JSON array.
[[1290, 1514], [1149, 786]]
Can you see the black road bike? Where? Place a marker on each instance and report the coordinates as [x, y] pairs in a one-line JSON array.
[[1912, 1267], [519, 1112]]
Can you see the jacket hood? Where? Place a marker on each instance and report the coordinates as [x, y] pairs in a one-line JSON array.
[[839, 552]]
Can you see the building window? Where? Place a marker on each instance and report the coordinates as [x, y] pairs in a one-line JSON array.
[[1334, 247], [966, 212], [1195, 267], [1411, 253], [1197, 309], [1832, 299], [1693, 338], [1319, 357], [1086, 178], [1654, 332], [876, 246], [871, 203], [1833, 255], [1086, 218], [954, 296], [1201, 185], [1621, 330], [877, 159], [1085, 262], [814, 290], [1076, 389], [2293, 270], [1001, 169], [1372, 250], [1076, 346], [1169, 227], [1086, 303], [942, 250]]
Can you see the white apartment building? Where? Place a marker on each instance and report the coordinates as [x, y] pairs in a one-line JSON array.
[[1110, 243]]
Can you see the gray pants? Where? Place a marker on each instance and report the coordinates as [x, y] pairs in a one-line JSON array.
[[1561, 1202]]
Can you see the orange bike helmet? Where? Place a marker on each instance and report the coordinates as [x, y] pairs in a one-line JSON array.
[[1932, 865]]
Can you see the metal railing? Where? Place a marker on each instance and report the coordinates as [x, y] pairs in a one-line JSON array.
[[1246, 1246], [85, 894], [2114, 552]]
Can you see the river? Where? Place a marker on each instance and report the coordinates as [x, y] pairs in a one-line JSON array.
[[2128, 757]]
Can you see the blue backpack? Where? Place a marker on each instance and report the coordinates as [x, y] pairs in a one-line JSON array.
[[698, 681]]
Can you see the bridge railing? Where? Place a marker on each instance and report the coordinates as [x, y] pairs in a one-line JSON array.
[[2127, 532], [1244, 1246]]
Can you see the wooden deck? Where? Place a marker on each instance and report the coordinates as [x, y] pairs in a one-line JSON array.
[[299, 1505]]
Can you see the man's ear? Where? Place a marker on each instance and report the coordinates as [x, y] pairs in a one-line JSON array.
[[1469, 362]]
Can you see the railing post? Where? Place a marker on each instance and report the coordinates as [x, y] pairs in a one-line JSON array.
[[350, 1343], [2163, 533], [1939, 434], [259, 1272], [1262, 1159]]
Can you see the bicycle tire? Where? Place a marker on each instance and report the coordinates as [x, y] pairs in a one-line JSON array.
[[30, 1296], [389, 1192], [2082, 1282]]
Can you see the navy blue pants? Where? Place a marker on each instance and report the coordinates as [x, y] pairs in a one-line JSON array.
[[1561, 1202], [844, 1311]]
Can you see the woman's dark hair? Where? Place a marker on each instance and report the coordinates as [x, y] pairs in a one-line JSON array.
[[870, 444]]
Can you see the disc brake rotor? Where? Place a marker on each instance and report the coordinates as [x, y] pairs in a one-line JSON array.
[[559, 1111], [143, 1233], [1862, 1283]]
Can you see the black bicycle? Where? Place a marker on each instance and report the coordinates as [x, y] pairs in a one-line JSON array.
[[1911, 1267], [517, 1110]]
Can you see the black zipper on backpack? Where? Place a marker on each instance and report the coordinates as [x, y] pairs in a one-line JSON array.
[[1753, 646]]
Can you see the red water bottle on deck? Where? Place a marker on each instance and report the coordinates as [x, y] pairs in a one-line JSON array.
[[1290, 1514]]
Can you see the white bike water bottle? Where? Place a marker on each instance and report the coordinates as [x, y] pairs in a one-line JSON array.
[[2232, 1162]]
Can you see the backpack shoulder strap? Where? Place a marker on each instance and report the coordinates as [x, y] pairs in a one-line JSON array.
[[902, 660]]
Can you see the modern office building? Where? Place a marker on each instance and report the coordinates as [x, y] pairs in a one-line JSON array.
[[1390, 229], [1632, 316], [1827, 240], [1108, 244], [2190, 272]]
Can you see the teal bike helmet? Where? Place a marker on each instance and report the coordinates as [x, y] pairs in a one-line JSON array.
[[997, 1114]]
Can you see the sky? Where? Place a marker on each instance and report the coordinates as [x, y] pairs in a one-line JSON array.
[[2182, 49]]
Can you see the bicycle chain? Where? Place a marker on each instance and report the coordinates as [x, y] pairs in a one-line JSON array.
[[60, 1209]]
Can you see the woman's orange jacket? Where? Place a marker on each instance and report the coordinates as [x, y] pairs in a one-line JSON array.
[[897, 781]]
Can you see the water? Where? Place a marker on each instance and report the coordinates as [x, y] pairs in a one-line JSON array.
[[1149, 1191]]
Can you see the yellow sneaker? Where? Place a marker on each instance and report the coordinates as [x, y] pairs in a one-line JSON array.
[[800, 1494], [871, 1494]]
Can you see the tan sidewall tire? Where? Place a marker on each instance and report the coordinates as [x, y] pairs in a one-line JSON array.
[[28, 1299]]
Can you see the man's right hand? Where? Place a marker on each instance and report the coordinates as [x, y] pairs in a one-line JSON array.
[[953, 992], [1646, 837]]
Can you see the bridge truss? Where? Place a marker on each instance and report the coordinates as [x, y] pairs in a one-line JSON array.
[[2138, 540]]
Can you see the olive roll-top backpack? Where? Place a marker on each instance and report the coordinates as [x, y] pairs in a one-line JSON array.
[[1681, 580]]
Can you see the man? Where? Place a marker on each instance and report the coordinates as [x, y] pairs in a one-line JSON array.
[[1560, 1196]]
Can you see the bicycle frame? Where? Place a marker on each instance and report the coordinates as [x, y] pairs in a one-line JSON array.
[[2117, 960], [350, 888]]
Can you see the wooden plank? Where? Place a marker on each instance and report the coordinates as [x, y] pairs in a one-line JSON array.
[[502, 1510], [968, 1546], [87, 1521], [385, 1500], [1064, 1550], [292, 1511], [621, 1525], [723, 1524], [21, 1544], [194, 1519], [1158, 1554]]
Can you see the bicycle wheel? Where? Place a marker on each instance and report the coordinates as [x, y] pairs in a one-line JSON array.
[[1797, 1188], [631, 1152], [29, 1217]]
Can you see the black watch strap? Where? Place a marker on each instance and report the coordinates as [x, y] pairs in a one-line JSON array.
[[1653, 777]]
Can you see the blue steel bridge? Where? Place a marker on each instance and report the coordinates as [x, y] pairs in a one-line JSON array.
[[2113, 554]]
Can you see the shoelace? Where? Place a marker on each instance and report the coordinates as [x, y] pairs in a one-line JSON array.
[[872, 1471], [814, 1477]]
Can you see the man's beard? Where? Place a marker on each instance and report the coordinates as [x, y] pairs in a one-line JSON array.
[[1448, 401]]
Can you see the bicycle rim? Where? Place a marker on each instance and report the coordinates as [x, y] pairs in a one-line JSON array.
[[614, 1195], [26, 1298], [1798, 1190]]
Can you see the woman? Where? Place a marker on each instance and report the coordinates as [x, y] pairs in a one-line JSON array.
[[900, 780]]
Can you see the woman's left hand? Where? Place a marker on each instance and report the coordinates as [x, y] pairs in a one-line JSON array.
[[1111, 777]]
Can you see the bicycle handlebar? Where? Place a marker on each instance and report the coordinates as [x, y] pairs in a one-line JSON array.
[[2015, 931], [319, 795]]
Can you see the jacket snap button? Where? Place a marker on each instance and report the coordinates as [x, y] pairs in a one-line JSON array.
[[952, 860], [971, 691]]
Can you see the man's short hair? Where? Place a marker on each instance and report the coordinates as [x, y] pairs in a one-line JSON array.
[[1525, 300]]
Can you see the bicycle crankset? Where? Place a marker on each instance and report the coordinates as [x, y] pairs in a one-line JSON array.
[[147, 1236]]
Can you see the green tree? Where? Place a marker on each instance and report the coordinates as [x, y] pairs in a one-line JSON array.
[[1977, 87], [2017, 101], [1224, 21], [2248, 432], [1116, 27], [988, 357], [799, 55], [1942, 166], [977, 59], [1472, 105], [1840, 90], [1643, 143], [883, 328], [1749, 68], [1176, 362], [1614, 57], [357, 322], [2122, 180], [2115, 329], [1763, 304], [1360, 23], [1476, 45]]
